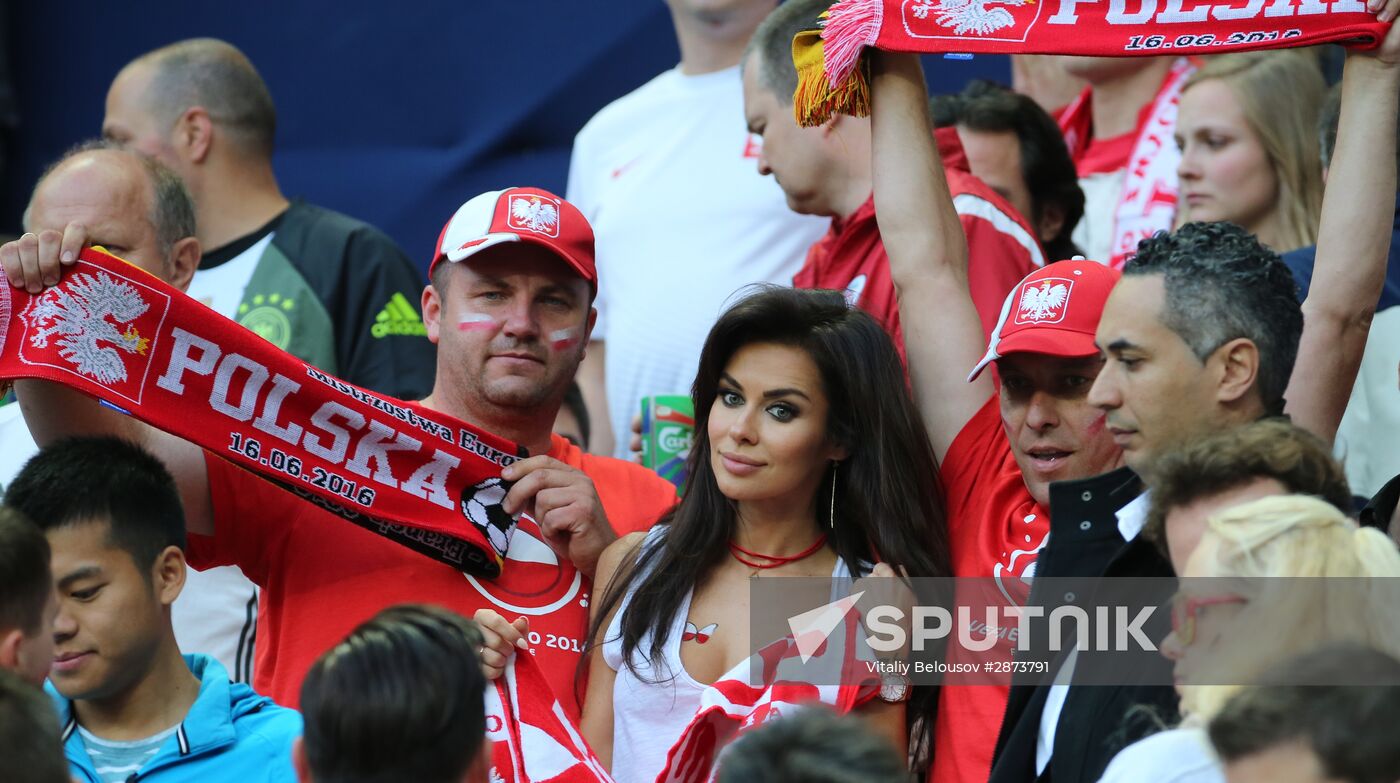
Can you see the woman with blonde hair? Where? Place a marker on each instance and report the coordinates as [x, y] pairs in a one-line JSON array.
[[1229, 628], [1247, 129]]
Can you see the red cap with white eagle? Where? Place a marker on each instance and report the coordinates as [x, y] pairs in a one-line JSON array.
[[519, 215], [1054, 310]]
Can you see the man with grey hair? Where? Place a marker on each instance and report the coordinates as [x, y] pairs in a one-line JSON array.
[[325, 287], [102, 194]]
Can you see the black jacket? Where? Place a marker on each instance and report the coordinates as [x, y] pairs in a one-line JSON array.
[[1099, 720]]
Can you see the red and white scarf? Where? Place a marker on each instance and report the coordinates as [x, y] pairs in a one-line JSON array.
[[533, 739], [1147, 202], [775, 681], [827, 58], [117, 333]]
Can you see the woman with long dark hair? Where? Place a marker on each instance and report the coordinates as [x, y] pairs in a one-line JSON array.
[[809, 459]]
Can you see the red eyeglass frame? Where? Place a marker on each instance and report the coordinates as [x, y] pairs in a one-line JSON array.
[[1185, 609]]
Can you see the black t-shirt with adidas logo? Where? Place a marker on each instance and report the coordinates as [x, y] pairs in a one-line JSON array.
[[331, 290]]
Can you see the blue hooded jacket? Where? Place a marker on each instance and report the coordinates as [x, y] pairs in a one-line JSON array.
[[230, 734]]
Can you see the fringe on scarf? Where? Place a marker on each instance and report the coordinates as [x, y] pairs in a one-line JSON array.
[[832, 77]]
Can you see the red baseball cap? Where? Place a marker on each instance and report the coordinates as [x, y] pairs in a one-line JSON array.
[[1054, 310], [519, 215]]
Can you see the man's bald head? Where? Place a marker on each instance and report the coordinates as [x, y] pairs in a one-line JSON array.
[[128, 202], [158, 87], [170, 209]]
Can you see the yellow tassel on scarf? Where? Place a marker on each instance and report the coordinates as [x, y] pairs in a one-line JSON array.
[[817, 98]]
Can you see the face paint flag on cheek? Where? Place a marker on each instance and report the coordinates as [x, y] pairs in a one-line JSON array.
[[474, 322], [563, 339], [414, 476]]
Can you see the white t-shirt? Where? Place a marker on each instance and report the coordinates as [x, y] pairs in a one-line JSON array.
[[668, 177], [1094, 233], [217, 611], [1181, 755], [1367, 434], [16, 445]]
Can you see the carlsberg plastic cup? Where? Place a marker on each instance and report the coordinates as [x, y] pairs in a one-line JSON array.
[[668, 429]]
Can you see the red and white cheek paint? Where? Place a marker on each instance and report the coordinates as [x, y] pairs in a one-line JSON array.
[[474, 322], [563, 339]]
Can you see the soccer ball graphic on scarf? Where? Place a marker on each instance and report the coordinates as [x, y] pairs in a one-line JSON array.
[[481, 505]]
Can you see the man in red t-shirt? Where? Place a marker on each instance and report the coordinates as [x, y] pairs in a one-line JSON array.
[[509, 307], [826, 171], [998, 448]]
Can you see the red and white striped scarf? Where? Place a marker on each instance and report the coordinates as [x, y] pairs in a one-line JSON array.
[[1147, 202], [774, 681], [533, 739], [829, 80], [115, 332]]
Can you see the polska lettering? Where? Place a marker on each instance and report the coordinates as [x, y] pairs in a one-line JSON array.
[[329, 433], [408, 475]]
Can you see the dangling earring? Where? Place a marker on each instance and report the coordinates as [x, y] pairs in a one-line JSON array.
[[831, 515]]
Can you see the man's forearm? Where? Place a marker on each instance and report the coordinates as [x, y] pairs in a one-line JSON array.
[[927, 250], [1353, 247]]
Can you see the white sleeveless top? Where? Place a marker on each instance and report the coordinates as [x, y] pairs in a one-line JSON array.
[[650, 711]]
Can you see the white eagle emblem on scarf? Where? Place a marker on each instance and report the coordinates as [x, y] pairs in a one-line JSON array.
[[84, 318], [969, 16]]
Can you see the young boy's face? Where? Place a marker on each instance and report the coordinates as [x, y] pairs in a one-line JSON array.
[[112, 612], [30, 658]]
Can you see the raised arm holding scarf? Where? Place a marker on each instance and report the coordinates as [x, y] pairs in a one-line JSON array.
[[828, 58]]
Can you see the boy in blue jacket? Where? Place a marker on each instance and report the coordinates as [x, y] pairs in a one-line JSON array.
[[131, 706]]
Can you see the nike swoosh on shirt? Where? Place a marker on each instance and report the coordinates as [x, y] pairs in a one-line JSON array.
[[617, 172]]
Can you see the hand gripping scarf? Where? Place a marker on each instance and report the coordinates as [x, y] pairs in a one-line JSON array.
[[115, 332], [830, 79]]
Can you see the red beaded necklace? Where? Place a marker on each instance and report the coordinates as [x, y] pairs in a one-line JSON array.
[[773, 560]]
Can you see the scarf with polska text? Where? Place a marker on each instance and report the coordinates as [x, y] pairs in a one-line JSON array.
[[1147, 199], [117, 333], [831, 79]]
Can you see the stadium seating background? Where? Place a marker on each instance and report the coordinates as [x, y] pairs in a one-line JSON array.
[[394, 112]]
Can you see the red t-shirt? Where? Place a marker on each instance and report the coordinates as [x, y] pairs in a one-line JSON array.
[[1002, 249], [321, 576], [996, 530], [1105, 156]]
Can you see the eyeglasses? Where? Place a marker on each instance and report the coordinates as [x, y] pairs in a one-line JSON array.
[[1185, 609]]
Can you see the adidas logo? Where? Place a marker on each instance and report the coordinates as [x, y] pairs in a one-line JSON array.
[[398, 318]]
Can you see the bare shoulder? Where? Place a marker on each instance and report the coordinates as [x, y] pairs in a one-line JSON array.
[[616, 553], [609, 565]]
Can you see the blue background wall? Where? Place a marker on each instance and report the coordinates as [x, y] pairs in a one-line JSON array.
[[394, 112]]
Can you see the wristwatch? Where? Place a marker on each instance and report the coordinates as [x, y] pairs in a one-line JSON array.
[[894, 688]]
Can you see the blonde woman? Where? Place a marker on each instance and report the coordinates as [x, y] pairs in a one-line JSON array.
[[1247, 129], [1232, 627]]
